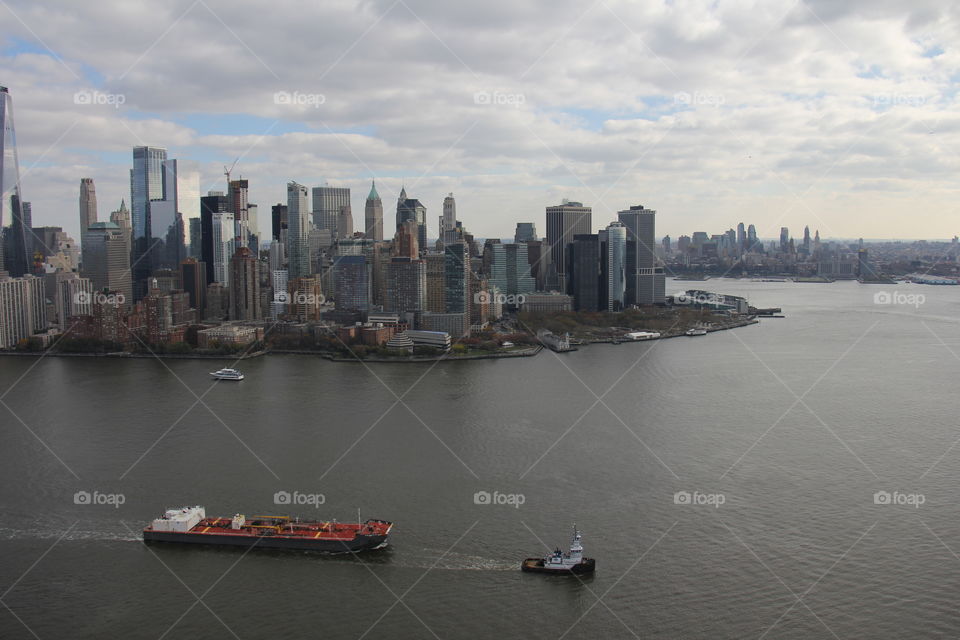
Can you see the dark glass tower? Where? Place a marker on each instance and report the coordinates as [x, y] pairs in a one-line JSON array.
[[16, 244]]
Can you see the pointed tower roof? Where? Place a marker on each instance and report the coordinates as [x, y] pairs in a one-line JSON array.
[[403, 193], [123, 204], [373, 195]]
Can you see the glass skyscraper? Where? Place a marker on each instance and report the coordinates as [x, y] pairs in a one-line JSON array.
[[16, 245]]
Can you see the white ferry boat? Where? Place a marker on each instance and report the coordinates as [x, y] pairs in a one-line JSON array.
[[560, 563], [227, 374]]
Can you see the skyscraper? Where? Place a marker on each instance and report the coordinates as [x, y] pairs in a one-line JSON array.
[[564, 221], [88, 204], [457, 283], [616, 265], [345, 222], [752, 238], [210, 204], [526, 231], [352, 283], [405, 243], [22, 309], [298, 251], [412, 209], [16, 245], [237, 203], [741, 238], [106, 259], [784, 239], [223, 245], [448, 222], [146, 185], [195, 232], [193, 279], [244, 286], [584, 270], [646, 281], [327, 203], [373, 214], [278, 221], [510, 269]]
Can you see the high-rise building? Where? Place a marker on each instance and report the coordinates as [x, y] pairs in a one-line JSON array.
[[784, 239], [278, 222], [448, 221], [213, 202], [436, 282], [457, 283], [74, 297], [406, 285], [526, 231], [352, 283], [88, 204], [752, 244], [23, 309], [146, 185], [237, 203], [106, 259], [298, 249], [806, 240], [406, 242], [121, 218], [584, 270], [510, 269], [616, 266], [741, 238], [345, 222], [327, 203], [412, 209], [564, 221], [193, 278], [16, 246], [244, 286], [195, 231], [223, 245], [646, 282], [373, 214]]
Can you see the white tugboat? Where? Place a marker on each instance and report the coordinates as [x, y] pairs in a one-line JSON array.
[[560, 563], [227, 374], [696, 332]]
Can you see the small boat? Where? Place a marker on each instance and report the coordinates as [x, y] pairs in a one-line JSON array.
[[227, 374], [696, 332], [560, 563]]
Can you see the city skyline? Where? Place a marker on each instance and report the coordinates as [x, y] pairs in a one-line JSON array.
[[793, 114]]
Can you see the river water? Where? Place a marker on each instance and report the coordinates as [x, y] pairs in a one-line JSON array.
[[727, 485]]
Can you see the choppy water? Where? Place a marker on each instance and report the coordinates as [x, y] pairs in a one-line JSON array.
[[798, 549]]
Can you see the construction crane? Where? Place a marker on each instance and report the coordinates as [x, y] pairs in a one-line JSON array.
[[227, 171]]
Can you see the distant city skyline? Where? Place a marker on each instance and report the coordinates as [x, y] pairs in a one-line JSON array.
[[783, 113]]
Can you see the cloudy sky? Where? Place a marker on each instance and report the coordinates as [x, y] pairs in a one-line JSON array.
[[840, 115]]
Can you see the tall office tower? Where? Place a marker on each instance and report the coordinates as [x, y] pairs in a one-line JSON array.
[[327, 202], [278, 282], [244, 286], [584, 267], [509, 269], [448, 221], [616, 265], [536, 257], [213, 202], [806, 240], [646, 282], [73, 297], [195, 232], [784, 239], [193, 279], [278, 256], [457, 282], [345, 222], [864, 270], [237, 203], [406, 285], [253, 228], [373, 214], [382, 252], [88, 204], [15, 251], [752, 238], [564, 221], [298, 249], [406, 243], [23, 309], [223, 245], [412, 209], [278, 222], [106, 259], [526, 231], [667, 245], [816, 242], [352, 283], [436, 282], [741, 238], [121, 218], [146, 185]]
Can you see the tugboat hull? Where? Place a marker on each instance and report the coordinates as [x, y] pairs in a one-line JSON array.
[[536, 565]]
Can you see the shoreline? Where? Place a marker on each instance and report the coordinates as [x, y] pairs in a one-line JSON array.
[[520, 353]]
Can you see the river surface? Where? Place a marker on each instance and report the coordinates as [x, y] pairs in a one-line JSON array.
[[727, 485]]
